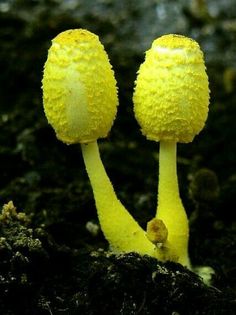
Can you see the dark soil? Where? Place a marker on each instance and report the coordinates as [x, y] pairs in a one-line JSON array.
[[40, 277]]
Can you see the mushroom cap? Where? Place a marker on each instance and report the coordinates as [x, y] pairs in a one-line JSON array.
[[79, 87], [171, 96]]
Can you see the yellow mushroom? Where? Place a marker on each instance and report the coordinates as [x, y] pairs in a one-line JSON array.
[[171, 101], [80, 102]]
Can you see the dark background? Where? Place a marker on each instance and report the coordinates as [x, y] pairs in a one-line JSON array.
[[46, 178]]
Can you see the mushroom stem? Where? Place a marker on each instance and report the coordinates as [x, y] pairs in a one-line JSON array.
[[170, 208], [119, 227]]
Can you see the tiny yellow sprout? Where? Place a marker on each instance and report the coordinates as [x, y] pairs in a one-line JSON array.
[[79, 88], [157, 232], [171, 101]]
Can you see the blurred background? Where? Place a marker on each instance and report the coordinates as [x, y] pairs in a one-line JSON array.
[[46, 178]]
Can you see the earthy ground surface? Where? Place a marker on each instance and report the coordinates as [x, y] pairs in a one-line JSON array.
[[45, 261]]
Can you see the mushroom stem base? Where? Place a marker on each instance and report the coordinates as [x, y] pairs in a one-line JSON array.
[[170, 208], [120, 229]]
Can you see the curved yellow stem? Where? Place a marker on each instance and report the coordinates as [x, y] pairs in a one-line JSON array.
[[170, 208], [119, 227]]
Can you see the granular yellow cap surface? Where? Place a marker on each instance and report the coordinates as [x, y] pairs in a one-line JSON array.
[[79, 87], [171, 96]]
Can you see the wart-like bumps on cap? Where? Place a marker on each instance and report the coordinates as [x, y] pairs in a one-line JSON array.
[[171, 96], [79, 88]]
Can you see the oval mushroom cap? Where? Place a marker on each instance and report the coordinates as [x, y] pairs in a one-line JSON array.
[[171, 96], [79, 88]]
